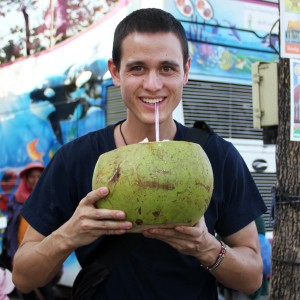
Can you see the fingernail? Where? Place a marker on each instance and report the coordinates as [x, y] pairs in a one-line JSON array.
[[179, 228], [104, 190], [120, 215], [127, 225]]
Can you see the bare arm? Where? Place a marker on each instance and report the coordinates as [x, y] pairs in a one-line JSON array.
[[241, 269], [39, 258]]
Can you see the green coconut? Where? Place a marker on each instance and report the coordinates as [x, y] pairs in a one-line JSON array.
[[157, 184]]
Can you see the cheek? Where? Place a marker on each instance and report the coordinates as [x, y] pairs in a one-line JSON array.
[[176, 89], [128, 88], [32, 182]]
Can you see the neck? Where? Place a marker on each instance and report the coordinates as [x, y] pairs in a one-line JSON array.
[[130, 133], [122, 135]]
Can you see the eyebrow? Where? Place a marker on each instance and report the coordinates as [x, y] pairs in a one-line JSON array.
[[142, 63], [134, 63]]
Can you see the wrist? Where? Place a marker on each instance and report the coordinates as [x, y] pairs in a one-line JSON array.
[[219, 258], [63, 242]]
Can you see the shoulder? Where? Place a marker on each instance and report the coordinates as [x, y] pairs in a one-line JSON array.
[[79, 156], [223, 156], [214, 143], [96, 142], [94, 137]]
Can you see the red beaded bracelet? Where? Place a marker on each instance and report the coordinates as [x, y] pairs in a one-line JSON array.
[[219, 259]]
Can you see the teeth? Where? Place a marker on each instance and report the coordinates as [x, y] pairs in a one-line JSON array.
[[152, 101]]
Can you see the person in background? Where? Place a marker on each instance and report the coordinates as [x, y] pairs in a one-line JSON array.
[[6, 283], [17, 225], [7, 184], [150, 63]]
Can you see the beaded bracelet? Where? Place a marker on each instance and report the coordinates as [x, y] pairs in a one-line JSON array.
[[219, 259]]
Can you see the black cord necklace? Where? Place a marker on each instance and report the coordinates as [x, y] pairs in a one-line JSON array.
[[122, 134]]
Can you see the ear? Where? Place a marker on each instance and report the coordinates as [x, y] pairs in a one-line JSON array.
[[186, 71], [114, 72]]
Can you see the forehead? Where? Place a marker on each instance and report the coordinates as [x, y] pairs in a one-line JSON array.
[[33, 172], [138, 45]]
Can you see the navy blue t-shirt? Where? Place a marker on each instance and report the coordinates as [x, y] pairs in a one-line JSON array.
[[153, 269]]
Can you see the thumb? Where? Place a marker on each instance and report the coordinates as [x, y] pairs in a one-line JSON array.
[[94, 196]]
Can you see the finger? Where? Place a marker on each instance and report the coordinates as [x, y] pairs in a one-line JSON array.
[[85, 211], [104, 226], [176, 231], [161, 233], [184, 233], [108, 214], [93, 196], [188, 231]]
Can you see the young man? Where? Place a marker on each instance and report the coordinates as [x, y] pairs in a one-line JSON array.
[[150, 63]]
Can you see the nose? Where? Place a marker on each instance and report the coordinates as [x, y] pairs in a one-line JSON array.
[[152, 81]]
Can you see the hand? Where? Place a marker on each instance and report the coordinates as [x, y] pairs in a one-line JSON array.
[[187, 240], [89, 223]]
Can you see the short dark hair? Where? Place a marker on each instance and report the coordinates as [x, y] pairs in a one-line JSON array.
[[148, 20]]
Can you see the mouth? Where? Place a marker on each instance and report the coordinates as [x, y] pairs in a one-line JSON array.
[[152, 101]]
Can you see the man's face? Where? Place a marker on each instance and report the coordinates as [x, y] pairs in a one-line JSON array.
[[151, 71]]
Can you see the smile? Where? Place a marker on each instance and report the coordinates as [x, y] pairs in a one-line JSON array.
[[152, 101]]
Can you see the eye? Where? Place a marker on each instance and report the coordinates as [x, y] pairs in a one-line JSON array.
[[137, 69], [167, 70]]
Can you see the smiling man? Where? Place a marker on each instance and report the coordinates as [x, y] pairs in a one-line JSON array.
[[150, 64]]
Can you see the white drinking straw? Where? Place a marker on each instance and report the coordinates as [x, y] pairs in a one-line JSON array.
[[156, 122]]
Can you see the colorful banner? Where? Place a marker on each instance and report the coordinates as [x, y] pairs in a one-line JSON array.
[[295, 100], [290, 28], [227, 36], [48, 100], [53, 97]]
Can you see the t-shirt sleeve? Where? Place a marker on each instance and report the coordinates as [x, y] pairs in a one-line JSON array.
[[238, 199], [44, 210]]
